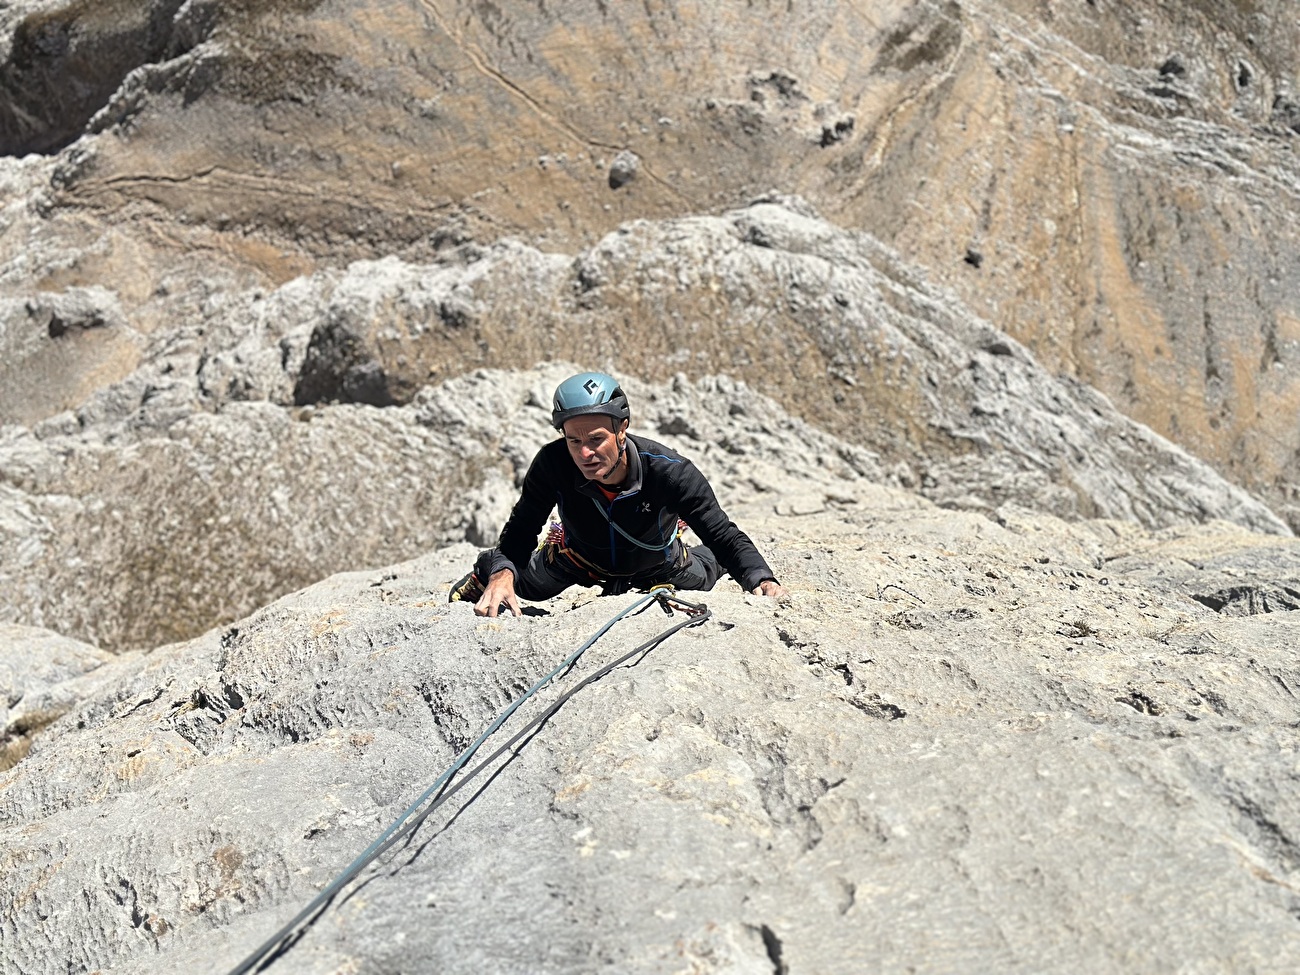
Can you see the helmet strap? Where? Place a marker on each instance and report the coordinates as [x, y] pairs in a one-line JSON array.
[[622, 454]]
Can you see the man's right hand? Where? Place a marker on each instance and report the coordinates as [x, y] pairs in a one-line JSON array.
[[500, 589]]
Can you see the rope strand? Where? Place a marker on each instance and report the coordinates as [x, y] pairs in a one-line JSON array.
[[400, 828]]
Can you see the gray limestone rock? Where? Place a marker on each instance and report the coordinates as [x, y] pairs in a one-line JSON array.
[[61, 347], [136, 533], [1219, 570], [623, 169], [284, 291], [1113, 185], [962, 746], [42, 676], [168, 475]]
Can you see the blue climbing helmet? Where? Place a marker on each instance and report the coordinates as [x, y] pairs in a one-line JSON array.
[[589, 392]]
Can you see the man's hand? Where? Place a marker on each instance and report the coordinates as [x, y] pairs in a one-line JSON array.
[[769, 587], [500, 589]]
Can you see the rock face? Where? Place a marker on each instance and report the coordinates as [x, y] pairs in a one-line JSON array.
[[1113, 185], [964, 746], [42, 675], [61, 349], [176, 504], [983, 319], [130, 535], [962, 718]]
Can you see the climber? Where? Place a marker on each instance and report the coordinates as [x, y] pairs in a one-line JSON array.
[[619, 498]]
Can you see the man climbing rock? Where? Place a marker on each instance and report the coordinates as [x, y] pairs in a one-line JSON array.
[[620, 498]]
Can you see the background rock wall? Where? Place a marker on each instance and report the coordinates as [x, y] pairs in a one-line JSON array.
[[284, 290], [1112, 185], [221, 473]]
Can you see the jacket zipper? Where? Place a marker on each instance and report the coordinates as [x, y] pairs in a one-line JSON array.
[[609, 516]]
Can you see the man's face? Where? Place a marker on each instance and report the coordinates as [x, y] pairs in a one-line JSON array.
[[595, 445]]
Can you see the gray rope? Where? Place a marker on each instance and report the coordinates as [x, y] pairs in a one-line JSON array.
[[397, 830]]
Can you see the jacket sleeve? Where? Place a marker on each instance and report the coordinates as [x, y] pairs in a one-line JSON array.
[[519, 536], [733, 548]]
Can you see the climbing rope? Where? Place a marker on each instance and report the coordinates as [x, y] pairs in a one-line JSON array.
[[881, 590], [440, 792]]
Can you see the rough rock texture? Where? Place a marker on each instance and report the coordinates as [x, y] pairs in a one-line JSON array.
[[130, 535], [134, 525], [42, 675], [1029, 760], [255, 449], [1114, 185], [61, 349], [284, 289]]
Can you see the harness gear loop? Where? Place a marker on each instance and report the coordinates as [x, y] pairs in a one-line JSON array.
[[555, 543]]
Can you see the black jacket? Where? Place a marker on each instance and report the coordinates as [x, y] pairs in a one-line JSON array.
[[661, 487]]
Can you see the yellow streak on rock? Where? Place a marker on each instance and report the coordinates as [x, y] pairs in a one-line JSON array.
[[331, 622], [571, 792]]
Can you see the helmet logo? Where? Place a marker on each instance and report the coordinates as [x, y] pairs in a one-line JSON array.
[[591, 385]]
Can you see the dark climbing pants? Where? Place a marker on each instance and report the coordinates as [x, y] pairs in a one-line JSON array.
[[541, 579]]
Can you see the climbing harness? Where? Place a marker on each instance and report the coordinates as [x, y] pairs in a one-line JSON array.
[[440, 791], [556, 543]]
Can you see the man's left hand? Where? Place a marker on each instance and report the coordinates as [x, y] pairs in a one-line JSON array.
[[769, 587]]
